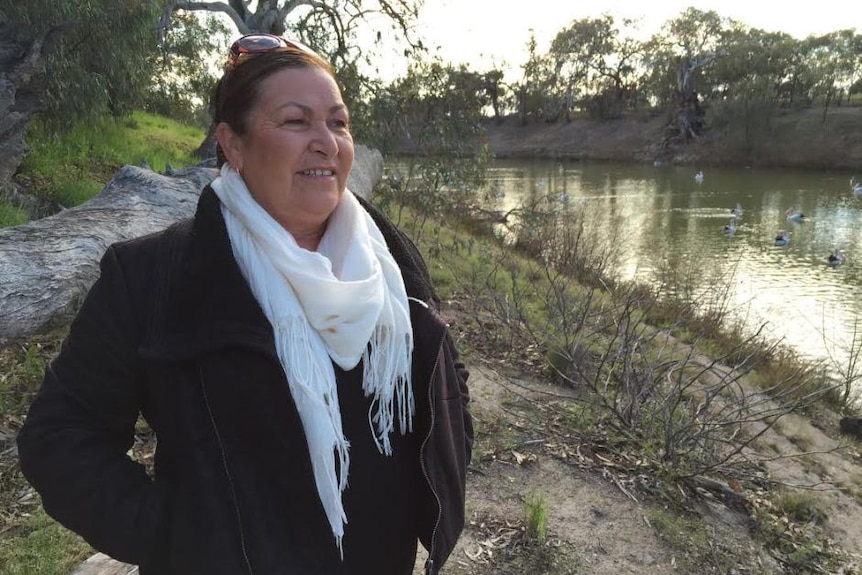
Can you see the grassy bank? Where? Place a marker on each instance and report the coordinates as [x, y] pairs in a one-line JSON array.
[[64, 171], [647, 385]]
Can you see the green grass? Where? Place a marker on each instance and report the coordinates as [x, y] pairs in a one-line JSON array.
[[30, 542], [686, 533], [536, 517], [40, 546], [11, 216], [68, 169]]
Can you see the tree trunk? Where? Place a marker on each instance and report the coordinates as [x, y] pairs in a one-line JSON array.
[[207, 148], [21, 96], [48, 265]]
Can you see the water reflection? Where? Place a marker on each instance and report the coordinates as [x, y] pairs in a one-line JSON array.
[[661, 214]]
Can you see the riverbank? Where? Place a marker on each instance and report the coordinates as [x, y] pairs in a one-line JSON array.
[[802, 138]]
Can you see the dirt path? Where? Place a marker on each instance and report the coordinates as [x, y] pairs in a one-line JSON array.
[[598, 526]]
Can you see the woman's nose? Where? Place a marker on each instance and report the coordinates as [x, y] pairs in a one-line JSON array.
[[324, 140]]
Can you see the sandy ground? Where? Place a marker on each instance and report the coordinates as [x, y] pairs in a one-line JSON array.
[[598, 526]]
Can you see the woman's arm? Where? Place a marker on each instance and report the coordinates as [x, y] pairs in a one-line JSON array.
[[73, 445]]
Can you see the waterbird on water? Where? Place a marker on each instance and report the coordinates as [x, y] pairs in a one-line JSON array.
[[737, 210], [698, 177], [730, 228], [835, 257], [782, 238], [794, 215]]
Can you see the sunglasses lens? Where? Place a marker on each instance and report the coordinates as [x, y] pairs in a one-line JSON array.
[[260, 44], [256, 44]]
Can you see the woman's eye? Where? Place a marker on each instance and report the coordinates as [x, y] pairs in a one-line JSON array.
[[294, 122], [340, 124]]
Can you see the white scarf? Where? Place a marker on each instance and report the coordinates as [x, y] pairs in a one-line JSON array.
[[346, 302]]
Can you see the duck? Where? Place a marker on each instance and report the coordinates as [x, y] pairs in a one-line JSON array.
[[835, 257], [698, 177], [730, 228], [794, 215], [737, 210], [783, 238], [856, 186]]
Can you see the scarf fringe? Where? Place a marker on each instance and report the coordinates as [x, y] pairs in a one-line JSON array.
[[379, 369]]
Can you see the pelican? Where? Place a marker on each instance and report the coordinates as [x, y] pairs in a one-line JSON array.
[[782, 238], [835, 257], [698, 177], [855, 186], [737, 210], [730, 228], [794, 215]]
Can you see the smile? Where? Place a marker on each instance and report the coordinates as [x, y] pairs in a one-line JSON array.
[[316, 172]]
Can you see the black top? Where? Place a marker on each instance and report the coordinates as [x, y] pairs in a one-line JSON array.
[[381, 496]]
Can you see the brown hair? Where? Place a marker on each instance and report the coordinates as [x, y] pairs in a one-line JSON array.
[[236, 93]]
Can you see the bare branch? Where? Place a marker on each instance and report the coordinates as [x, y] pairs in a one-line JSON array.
[[215, 7]]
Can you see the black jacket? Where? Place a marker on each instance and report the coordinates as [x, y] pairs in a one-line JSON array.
[[167, 331]]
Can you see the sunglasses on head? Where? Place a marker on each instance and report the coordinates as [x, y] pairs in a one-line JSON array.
[[254, 44]]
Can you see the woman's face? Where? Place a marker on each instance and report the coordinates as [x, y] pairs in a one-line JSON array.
[[297, 150]]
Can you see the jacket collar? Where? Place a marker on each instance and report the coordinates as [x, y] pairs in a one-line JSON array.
[[208, 303]]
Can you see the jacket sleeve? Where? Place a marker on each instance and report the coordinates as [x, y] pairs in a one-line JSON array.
[[462, 375], [73, 445]]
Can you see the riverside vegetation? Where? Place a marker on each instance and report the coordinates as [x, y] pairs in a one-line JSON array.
[[619, 430]]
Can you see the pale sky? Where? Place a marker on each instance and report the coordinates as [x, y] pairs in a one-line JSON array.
[[485, 33]]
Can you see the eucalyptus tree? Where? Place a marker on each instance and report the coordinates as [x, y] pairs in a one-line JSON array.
[[679, 57], [185, 63], [745, 81], [351, 33], [538, 94], [496, 90], [434, 112], [833, 63], [328, 26], [346, 31], [97, 63], [66, 62], [593, 59]]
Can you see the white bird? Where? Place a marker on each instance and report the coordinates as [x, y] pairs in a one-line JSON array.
[[730, 228], [794, 215], [737, 210], [855, 186], [698, 177], [835, 258], [782, 238]]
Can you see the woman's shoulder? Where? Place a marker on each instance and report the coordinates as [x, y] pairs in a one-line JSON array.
[[155, 243], [144, 258]]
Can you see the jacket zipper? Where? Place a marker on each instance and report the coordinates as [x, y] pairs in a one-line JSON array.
[[227, 474], [429, 563]]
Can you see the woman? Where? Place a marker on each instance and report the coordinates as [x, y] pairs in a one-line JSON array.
[[308, 403]]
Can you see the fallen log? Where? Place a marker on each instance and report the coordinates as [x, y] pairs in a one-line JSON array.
[[47, 266]]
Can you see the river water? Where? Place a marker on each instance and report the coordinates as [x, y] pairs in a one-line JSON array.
[[656, 213]]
